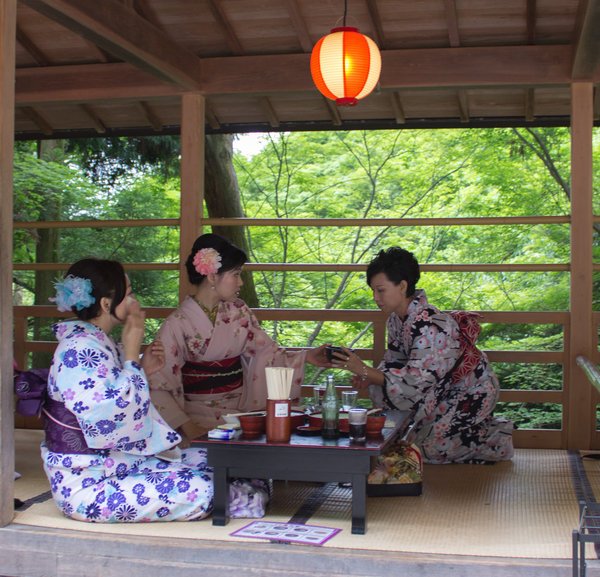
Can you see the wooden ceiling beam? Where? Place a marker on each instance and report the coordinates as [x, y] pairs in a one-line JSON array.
[[31, 48], [299, 25], [123, 33], [531, 20], [463, 106], [379, 36], [97, 123], [452, 21], [269, 111], [586, 54], [88, 83], [529, 104], [150, 116], [211, 117], [398, 108], [416, 68], [263, 75], [44, 126], [334, 113], [231, 37], [145, 10]]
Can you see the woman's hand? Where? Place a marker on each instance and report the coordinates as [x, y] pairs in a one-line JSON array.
[[133, 332], [347, 359], [363, 375], [318, 357], [154, 358]]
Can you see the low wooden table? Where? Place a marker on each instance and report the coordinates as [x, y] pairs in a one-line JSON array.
[[302, 459]]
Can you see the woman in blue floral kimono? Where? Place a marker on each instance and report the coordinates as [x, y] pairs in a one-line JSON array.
[[432, 368], [108, 454]]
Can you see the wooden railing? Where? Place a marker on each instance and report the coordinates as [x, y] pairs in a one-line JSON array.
[[523, 438]]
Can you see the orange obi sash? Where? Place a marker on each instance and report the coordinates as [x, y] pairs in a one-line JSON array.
[[212, 377]]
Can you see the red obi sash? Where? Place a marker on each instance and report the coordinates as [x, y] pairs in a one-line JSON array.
[[211, 377], [469, 329]]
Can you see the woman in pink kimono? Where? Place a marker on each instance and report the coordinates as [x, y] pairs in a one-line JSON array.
[[216, 352]]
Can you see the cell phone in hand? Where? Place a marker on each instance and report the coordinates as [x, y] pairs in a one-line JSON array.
[[329, 350]]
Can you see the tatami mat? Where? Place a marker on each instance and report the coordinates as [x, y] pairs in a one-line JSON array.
[[524, 508]]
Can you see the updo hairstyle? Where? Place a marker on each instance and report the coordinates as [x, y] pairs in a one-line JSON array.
[[108, 280], [397, 264], [231, 256]]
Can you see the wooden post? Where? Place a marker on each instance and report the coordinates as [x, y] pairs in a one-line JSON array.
[[8, 19], [579, 418], [192, 180]]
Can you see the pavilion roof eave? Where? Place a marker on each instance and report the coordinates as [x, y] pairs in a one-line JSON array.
[[306, 126]]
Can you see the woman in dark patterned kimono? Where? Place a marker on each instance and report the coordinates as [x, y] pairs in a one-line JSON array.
[[432, 368]]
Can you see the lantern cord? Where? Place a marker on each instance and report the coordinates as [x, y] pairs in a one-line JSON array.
[[345, 11]]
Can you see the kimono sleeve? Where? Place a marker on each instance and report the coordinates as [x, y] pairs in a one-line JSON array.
[[261, 351], [111, 401], [432, 354], [166, 385]]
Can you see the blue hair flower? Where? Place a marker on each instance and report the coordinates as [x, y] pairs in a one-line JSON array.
[[73, 291]]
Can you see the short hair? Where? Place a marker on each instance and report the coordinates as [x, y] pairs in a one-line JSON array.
[[108, 280], [397, 264], [231, 256]]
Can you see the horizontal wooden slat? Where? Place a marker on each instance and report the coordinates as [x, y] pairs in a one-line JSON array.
[[538, 439], [464, 221], [64, 266], [325, 267], [505, 317], [134, 223], [517, 396], [545, 357]]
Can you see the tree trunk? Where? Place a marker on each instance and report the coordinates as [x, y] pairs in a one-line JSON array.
[[222, 198], [46, 251]]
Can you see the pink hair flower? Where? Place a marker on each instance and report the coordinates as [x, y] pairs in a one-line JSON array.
[[207, 261]]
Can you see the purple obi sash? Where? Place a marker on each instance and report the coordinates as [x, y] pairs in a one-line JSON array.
[[211, 377], [63, 433]]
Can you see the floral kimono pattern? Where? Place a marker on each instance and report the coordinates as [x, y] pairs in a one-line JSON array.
[[188, 335], [130, 470], [453, 419]]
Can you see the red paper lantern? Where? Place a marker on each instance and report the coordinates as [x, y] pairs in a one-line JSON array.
[[345, 65]]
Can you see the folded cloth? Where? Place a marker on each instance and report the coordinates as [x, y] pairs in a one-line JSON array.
[[248, 498]]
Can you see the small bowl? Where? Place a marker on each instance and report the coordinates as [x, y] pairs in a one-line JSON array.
[[375, 425], [308, 431], [316, 420], [253, 425], [297, 419]]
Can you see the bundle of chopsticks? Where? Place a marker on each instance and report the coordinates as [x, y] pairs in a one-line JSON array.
[[279, 382]]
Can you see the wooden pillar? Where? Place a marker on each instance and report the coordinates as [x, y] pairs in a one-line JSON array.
[[579, 419], [8, 17], [192, 180]]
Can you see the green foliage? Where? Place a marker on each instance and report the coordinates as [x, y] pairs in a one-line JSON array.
[[362, 174]]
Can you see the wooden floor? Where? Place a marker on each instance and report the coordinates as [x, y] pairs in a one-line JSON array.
[[510, 519]]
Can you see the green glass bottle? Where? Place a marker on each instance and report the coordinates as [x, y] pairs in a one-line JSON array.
[[330, 408]]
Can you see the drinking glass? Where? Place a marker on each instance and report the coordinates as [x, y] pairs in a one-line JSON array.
[[318, 393], [349, 399], [357, 425]]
